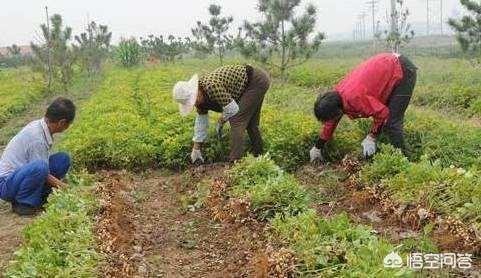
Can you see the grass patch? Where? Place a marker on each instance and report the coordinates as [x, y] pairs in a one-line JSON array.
[[18, 89]]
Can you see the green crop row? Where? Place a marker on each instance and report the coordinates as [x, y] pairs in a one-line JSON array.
[[321, 73], [325, 247], [446, 190], [131, 121], [142, 127], [450, 85], [451, 141], [18, 89], [60, 242]]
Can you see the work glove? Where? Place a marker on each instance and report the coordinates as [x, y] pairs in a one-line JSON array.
[[196, 155], [219, 127], [369, 146], [316, 155]]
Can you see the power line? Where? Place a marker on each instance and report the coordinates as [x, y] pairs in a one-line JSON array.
[[441, 21]]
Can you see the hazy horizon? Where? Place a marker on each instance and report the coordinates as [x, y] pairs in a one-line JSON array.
[[144, 17]]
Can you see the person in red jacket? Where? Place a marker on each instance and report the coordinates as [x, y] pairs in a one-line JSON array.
[[381, 88]]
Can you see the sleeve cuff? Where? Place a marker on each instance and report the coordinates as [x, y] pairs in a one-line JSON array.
[[201, 128], [230, 110], [320, 143]]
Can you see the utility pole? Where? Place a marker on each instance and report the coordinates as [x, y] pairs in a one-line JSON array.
[[362, 21], [393, 17], [441, 16], [427, 18], [372, 5], [49, 52], [364, 29]]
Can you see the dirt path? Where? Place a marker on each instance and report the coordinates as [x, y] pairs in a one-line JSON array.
[[164, 238], [11, 226]]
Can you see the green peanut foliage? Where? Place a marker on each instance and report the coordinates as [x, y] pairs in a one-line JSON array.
[[269, 188], [60, 242]]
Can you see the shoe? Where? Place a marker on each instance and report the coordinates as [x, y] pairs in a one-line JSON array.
[[24, 210]]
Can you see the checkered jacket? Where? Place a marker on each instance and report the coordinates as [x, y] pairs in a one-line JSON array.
[[225, 84]]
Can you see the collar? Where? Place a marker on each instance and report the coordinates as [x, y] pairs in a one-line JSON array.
[[46, 132]]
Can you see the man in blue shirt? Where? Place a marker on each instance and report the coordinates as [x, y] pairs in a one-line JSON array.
[[27, 170]]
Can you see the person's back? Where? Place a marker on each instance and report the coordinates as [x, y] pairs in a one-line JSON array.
[[375, 77], [19, 151]]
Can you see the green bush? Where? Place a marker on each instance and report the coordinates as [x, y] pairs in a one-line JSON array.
[[331, 247], [270, 190], [450, 85], [129, 52], [60, 242], [452, 142], [444, 189]]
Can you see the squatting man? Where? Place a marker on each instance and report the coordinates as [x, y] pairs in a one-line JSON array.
[[27, 171]]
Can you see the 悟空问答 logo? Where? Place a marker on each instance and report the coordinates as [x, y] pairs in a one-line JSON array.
[[393, 260]]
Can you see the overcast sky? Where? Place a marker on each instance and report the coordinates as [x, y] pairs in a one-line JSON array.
[[19, 19]]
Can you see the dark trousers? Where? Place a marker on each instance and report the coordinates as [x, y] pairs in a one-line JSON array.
[[249, 114], [27, 185], [398, 103]]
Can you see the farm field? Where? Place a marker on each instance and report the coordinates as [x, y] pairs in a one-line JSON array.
[[18, 89], [136, 206]]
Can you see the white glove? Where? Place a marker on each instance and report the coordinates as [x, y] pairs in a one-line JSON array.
[[315, 155], [196, 155], [369, 146]]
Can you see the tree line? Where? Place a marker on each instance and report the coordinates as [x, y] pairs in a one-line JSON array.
[[283, 38]]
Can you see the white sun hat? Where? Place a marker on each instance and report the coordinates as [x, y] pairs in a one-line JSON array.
[[185, 93]]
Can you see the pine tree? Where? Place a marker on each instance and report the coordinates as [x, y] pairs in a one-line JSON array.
[[93, 47], [53, 56], [15, 55], [468, 29], [213, 38], [282, 40]]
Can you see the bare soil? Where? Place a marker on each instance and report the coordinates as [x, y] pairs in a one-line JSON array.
[[146, 230], [11, 226]]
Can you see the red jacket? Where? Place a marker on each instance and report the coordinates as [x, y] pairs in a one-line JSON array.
[[365, 91]]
